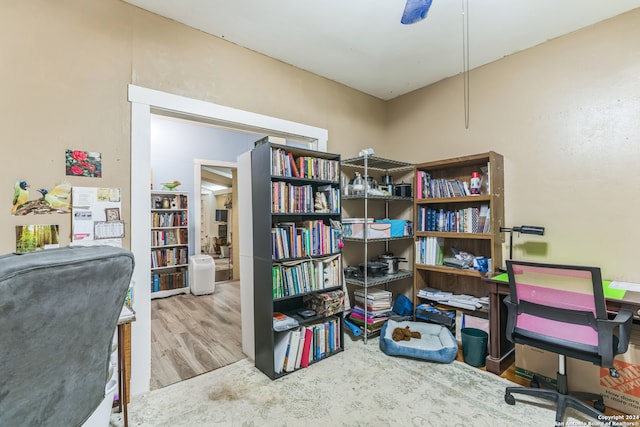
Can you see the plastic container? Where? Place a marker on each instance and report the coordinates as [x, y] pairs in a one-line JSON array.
[[475, 183], [474, 346], [399, 227], [202, 274]]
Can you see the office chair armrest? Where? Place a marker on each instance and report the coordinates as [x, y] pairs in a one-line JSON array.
[[606, 328], [625, 320], [512, 312]]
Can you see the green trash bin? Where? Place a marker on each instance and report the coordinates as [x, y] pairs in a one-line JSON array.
[[474, 346]]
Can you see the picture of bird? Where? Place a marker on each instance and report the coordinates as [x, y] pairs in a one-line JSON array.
[[59, 197], [21, 195], [171, 185]]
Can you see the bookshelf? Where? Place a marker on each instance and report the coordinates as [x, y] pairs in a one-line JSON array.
[[447, 218], [390, 200], [297, 261], [169, 243]]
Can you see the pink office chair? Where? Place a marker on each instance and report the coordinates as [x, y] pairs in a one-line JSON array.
[[561, 308]]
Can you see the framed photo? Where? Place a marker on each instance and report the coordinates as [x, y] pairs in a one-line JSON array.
[[112, 214]]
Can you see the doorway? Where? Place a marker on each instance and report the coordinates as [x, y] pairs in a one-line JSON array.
[[145, 102], [199, 331], [218, 216]]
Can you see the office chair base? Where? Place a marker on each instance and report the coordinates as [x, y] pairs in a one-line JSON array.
[[563, 401]]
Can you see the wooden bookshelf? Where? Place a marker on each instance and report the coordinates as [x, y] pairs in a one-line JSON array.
[[169, 243], [461, 236]]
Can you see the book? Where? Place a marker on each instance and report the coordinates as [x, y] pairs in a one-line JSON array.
[[280, 348], [306, 348], [294, 168], [292, 351], [300, 347]]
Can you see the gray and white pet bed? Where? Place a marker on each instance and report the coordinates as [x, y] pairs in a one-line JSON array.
[[437, 343]]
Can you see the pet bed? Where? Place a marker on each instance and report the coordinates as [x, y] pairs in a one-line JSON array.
[[436, 343]]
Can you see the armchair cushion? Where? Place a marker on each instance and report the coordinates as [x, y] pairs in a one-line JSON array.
[[58, 309]]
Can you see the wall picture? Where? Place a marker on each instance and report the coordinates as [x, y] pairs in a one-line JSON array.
[[112, 214], [83, 163], [31, 238], [40, 200]]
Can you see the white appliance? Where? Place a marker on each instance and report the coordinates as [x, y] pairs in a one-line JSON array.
[[202, 274]]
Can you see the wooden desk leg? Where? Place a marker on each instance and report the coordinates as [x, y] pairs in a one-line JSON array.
[[122, 369], [501, 354]]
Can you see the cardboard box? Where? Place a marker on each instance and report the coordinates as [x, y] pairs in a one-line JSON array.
[[622, 394], [354, 228], [531, 360]]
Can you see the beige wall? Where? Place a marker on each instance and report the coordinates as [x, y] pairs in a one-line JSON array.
[[64, 75], [566, 117]]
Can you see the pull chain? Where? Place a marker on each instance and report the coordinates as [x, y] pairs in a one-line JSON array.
[[465, 59]]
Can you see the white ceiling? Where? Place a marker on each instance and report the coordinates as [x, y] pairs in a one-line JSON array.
[[361, 43]]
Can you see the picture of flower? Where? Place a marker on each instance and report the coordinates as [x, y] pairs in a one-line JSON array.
[[83, 163]]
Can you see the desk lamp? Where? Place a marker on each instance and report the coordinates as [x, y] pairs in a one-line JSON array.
[[524, 229]]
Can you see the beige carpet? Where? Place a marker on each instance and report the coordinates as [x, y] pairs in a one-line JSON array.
[[358, 387]]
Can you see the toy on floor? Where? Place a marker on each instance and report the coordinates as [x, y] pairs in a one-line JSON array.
[[405, 334]]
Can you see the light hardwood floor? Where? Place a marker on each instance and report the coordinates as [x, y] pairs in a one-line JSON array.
[[191, 335]]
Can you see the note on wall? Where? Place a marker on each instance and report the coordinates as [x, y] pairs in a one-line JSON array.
[[96, 216]]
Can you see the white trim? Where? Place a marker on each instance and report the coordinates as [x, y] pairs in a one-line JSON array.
[[143, 100]]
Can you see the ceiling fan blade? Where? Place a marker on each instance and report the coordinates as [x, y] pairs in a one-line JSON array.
[[414, 11]]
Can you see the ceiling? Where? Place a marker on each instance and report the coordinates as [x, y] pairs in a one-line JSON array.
[[215, 179], [363, 45]]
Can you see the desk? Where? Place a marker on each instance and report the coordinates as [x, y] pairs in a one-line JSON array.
[[127, 316], [501, 351]]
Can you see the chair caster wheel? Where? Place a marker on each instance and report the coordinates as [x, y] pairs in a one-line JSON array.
[[509, 399], [599, 406], [534, 383]]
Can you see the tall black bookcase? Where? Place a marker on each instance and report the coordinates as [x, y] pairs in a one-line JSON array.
[[284, 200]]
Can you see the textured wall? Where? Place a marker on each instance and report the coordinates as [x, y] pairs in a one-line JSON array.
[[565, 117]]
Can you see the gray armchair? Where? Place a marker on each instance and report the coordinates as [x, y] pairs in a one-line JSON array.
[[58, 314]]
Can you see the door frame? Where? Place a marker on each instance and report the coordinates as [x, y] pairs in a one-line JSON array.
[[144, 103]]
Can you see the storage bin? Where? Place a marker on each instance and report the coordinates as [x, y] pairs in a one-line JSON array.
[[354, 228], [326, 303], [399, 227]]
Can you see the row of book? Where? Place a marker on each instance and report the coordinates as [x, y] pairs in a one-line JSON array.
[[431, 188], [372, 310], [305, 277], [297, 348], [289, 198], [169, 257], [167, 281], [284, 164], [169, 237], [286, 197], [467, 220], [169, 219], [430, 250], [303, 239]]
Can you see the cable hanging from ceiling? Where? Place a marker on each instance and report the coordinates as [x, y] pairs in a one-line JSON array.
[[465, 59]]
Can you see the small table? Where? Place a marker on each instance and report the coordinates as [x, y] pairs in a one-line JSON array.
[[127, 315], [502, 352]]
